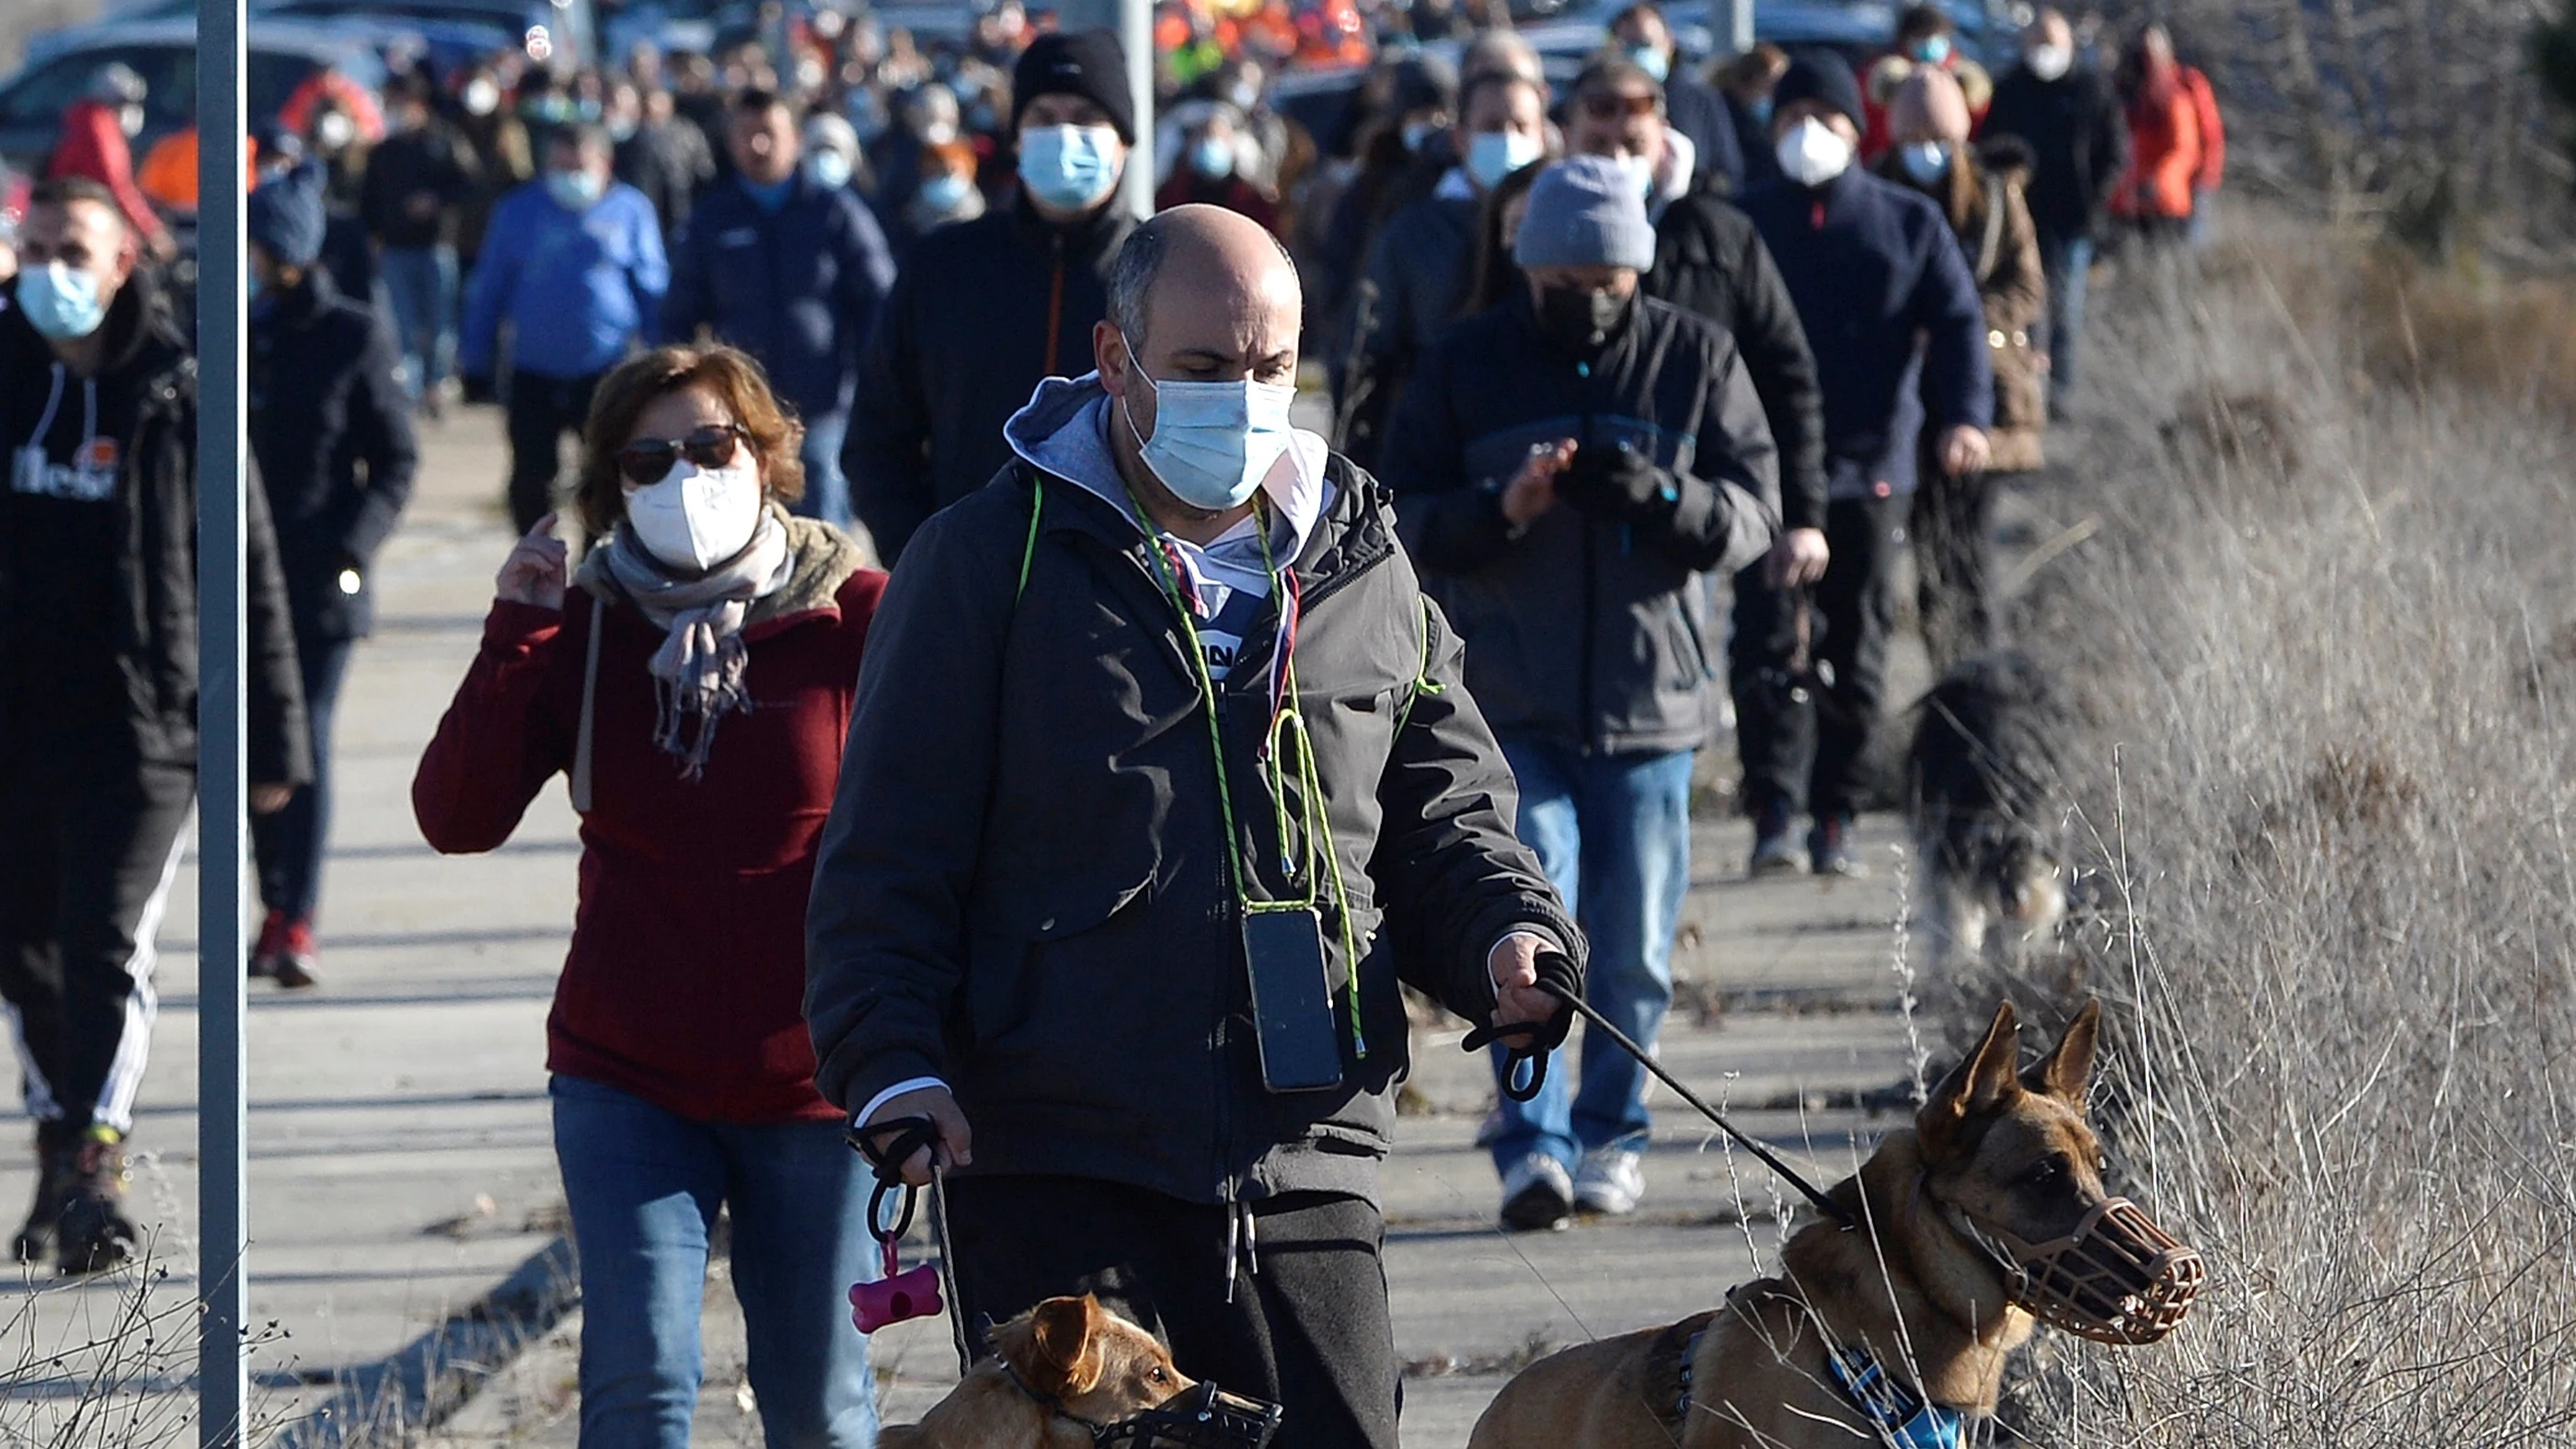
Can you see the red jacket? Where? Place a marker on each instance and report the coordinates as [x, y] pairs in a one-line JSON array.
[[685, 984], [2213, 131], [93, 145], [2164, 151]]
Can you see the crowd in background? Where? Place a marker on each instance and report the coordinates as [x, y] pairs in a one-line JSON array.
[[1618, 346]]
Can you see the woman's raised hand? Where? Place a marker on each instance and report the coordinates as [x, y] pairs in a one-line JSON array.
[[537, 570]]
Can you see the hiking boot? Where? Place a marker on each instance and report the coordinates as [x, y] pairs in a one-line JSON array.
[[96, 1235], [55, 1142], [1610, 1181], [1773, 851], [1829, 848], [1537, 1195]]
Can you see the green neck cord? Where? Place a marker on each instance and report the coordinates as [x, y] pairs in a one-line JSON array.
[[1288, 716]]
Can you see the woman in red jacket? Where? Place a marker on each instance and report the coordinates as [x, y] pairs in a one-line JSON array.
[[692, 677]]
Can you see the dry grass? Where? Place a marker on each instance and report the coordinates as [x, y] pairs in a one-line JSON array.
[[2325, 794]]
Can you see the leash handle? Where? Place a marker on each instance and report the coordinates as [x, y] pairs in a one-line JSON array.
[[1528, 1052], [887, 1145]]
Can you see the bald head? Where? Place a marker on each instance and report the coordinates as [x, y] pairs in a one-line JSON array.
[[1197, 294], [1928, 107]]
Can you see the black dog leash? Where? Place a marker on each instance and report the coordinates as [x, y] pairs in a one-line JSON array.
[[887, 1146], [1534, 1053]]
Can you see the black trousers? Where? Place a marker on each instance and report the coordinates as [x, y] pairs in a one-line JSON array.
[[539, 412], [291, 842], [1811, 754], [1309, 1330], [87, 854], [1953, 567]]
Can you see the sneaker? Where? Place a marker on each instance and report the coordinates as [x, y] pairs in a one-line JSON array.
[[1829, 848], [1537, 1195], [1773, 853], [1610, 1181], [96, 1235], [271, 945], [55, 1142], [295, 958]]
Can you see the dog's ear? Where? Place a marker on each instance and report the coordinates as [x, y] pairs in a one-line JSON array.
[[2066, 1070], [1065, 1334], [1984, 1081]]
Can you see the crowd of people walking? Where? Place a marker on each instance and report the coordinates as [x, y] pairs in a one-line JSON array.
[[977, 685]]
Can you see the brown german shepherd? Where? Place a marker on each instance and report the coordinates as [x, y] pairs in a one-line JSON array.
[[1909, 1313]]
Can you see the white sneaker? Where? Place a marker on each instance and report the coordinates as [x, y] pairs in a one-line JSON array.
[[1610, 1181], [1537, 1195]]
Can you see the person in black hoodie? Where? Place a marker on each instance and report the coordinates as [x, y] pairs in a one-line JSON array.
[[2068, 115], [1900, 342], [790, 271], [1567, 466], [98, 690], [992, 305], [333, 438]]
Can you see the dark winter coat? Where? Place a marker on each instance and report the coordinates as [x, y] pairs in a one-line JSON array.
[[685, 980], [331, 427], [1892, 316], [960, 344], [1415, 284], [1589, 633], [2079, 144], [435, 161], [144, 399], [1709, 261], [797, 288], [1023, 889]]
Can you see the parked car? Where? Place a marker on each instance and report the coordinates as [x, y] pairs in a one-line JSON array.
[[561, 32], [283, 55]]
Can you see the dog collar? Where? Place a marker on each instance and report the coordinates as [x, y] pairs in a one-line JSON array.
[[1902, 1417]]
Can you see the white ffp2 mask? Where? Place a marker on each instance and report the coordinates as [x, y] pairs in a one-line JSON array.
[[696, 519], [1814, 153]]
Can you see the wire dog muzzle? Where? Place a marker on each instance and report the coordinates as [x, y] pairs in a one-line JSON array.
[[1202, 1417], [2117, 1279]]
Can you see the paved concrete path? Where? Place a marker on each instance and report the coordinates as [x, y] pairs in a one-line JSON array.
[[401, 1157]]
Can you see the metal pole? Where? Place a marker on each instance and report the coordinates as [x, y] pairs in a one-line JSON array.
[[1134, 22], [223, 1200], [1731, 22]]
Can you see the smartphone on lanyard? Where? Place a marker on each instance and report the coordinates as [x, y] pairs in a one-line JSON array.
[[1292, 1000]]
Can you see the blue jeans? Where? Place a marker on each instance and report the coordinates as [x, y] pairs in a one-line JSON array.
[[643, 1185], [421, 284], [827, 493], [291, 841], [2067, 262], [1613, 834]]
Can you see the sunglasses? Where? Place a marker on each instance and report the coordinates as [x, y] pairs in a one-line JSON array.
[[647, 461], [1611, 106]]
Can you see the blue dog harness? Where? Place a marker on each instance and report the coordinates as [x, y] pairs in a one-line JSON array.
[[1903, 1418]]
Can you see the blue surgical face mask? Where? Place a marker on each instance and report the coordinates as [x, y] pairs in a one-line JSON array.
[[61, 303], [768, 196], [575, 190], [1932, 49], [1493, 155], [1652, 60], [1213, 158], [1214, 442], [1925, 161], [1071, 168], [945, 191], [829, 170]]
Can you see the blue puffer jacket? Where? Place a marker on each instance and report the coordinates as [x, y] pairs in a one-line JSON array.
[[579, 288], [797, 288], [1873, 268]]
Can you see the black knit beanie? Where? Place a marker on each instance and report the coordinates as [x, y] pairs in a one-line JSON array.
[[1086, 63]]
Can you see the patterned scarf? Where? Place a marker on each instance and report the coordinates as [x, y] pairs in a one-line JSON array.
[[698, 671]]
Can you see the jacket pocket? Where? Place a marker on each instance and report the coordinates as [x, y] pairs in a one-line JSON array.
[[1008, 984]]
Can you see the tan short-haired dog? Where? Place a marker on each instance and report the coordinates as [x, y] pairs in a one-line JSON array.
[[1895, 1328], [1055, 1373]]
